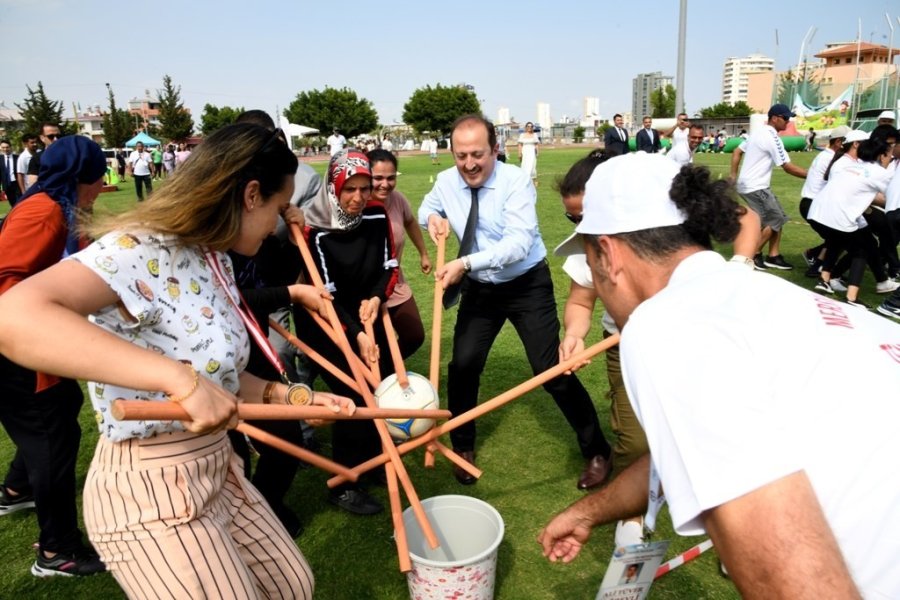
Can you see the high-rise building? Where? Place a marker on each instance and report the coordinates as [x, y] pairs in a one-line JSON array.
[[543, 115], [735, 85], [503, 115], [591, 106], [642, 87]]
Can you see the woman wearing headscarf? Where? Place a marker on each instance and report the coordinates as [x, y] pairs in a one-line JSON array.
[[349, 237], [39, 411], [166, 503]]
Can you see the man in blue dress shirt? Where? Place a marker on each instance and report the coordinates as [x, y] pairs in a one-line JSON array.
[[504, 274]]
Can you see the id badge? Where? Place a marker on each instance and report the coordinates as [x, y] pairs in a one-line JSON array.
[[631, 571]]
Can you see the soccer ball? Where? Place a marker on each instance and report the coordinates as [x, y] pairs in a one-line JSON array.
[[419, 395]]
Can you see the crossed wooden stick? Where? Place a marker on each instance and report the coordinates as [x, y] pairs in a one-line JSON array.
[[362, 379]]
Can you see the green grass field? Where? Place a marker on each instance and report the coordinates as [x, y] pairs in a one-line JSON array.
[[528, 453]]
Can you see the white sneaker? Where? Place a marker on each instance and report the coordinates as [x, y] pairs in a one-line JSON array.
[[837, 284], [629, 533], [887, 286]]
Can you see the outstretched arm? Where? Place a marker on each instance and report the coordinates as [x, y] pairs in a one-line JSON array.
[[564, 536]]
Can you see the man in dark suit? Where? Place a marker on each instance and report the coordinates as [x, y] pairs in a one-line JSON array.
[[647, 139], [615, 140], [8, 182]]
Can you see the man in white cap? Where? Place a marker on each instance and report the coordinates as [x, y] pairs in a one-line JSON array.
[[764, 151], [796, 514], [887, 117]]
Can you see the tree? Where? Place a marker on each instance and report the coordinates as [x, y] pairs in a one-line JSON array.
[[662, 102], [118, 126], [790, 84], [37, 109], [214, 117], [578, 134], [330, 108], [436, 108], [724, 109], [175, 123]]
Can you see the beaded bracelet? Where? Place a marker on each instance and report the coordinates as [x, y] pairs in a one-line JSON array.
[[194, 386]]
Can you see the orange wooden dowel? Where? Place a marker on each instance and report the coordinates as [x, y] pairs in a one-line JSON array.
[[458, 460], [296, 451], [487, 406], [313, 355], [397, 516], [394, 345], [429, 455], [352, 356], [370, 332], [438, 309], [142, 410]]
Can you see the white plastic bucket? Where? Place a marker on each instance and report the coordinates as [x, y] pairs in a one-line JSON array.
[[465, 564]]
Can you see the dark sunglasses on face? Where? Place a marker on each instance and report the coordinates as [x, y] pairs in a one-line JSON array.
[[574, 218], [52, 136]]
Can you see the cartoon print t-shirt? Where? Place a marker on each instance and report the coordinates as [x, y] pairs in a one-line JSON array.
[[173, 305]]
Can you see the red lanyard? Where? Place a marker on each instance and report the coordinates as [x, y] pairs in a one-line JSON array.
[[246, 316]]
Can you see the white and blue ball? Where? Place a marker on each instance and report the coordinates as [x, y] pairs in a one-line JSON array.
[[419, 395]]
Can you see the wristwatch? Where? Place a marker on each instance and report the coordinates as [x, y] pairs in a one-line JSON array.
[[467, 264], [298, 394]]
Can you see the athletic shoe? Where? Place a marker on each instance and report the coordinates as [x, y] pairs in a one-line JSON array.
[[837, 284], [356, 501], [81, 562], [858, 303], [887, 286], [889, 310], [778, 262], [629, 533], [824, 286], [10, 504], [814, 270], [759, 264], [808, 257]]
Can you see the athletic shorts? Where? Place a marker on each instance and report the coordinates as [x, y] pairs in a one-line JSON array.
[[766, 205]]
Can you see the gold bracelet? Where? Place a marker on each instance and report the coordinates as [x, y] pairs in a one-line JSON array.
[[267, 392], [196, 384]]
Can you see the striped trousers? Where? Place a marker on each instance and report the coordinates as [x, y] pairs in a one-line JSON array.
[[173, 517]]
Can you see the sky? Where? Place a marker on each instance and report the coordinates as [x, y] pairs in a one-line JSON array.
[[261, 54]]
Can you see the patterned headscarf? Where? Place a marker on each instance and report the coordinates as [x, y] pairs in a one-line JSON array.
[[325, 211], [70, 160]]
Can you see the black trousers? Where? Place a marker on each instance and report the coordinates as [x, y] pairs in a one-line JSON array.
[[529, 304], [44, 427], [140, 182]]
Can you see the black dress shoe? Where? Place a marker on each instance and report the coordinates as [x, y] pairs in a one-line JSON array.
[[355, 500], [463, 476], [596, 471]]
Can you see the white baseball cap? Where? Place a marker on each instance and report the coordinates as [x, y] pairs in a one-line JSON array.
[[855, 135], [626, 193], [887, 114], [839, 132]]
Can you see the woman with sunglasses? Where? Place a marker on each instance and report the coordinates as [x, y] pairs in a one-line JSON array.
[[528, 151], [349, 237], [165, 502], [401, 304]]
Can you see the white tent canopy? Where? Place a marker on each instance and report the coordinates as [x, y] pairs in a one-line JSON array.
[[292, 130]]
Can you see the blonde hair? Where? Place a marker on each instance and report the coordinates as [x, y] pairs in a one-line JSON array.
[[202, 203]]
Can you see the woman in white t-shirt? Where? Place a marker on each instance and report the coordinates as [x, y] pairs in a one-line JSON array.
[[836, 214], [166, 503]]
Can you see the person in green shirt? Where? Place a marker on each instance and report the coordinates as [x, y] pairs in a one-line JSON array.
[[156, 155]]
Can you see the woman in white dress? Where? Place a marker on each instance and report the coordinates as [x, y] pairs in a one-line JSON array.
[[528, 151]]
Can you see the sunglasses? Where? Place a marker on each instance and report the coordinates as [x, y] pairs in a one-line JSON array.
[[52, 136], [574, 218]]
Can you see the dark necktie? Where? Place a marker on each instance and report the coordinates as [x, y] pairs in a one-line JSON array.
[[451, 294]]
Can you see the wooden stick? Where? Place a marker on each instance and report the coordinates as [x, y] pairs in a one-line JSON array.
[[318, 358], [429, 455], [357, 369], [353, 356], [394, 345], [457, 460], [296, 451], [488, 406], [438, 309], [370, 331], [142, 410], [397, 516]]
